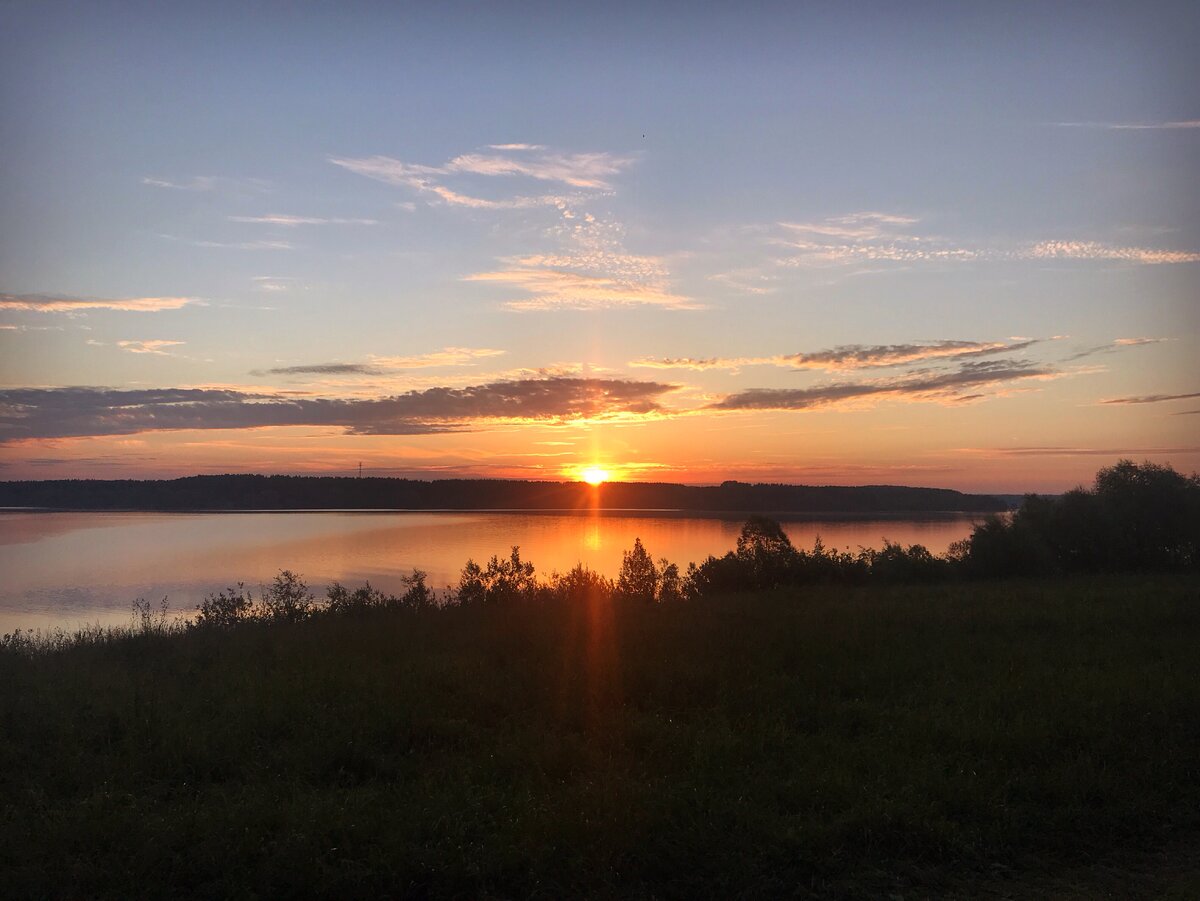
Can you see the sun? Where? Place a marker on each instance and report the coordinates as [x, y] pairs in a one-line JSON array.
[[594, 475]]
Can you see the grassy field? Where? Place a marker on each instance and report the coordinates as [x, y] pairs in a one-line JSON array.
[[1022, 739]]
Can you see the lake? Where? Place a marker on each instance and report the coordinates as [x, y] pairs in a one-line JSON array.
[[65, 569]]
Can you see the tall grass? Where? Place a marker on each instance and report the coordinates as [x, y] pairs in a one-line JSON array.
[[831, 741]]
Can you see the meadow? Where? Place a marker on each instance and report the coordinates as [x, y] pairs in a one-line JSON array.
[[1015, 738]]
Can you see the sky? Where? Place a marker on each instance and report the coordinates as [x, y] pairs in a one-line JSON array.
[[924, 244]]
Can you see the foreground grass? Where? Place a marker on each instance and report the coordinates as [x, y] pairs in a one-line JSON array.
[[837, 742]]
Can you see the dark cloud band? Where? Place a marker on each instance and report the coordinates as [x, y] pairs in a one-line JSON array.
[[34, 413], [920, 385]]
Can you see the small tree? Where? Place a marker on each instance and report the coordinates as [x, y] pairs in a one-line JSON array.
[[638, 580], [149, 621], [765, 551], [418, 595], [471, 589], [287, 598], [343, 600], [225, 608], [580, 584], [502, 581], [670, 585]]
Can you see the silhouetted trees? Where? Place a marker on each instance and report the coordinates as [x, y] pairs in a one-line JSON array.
[[1135, 518], [765, 558], [501, 581]]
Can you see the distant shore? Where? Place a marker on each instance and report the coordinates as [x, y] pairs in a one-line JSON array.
[[236, 493], [731, 515]]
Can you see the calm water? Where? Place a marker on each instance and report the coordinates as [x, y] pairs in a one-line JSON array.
[[63, 569]]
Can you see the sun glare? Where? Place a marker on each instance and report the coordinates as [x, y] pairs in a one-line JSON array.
[[594, 475]]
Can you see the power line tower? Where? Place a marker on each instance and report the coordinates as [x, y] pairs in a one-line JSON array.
[[360, 469]]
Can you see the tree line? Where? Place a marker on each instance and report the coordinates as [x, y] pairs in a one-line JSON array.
[[260, 492], [1135, 518]]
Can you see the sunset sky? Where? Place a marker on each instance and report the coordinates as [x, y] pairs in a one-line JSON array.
[[913, 244]]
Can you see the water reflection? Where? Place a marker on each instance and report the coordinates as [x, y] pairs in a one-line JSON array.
[[66, 568]]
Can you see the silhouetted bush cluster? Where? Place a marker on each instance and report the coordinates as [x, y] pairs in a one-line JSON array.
[[288, 600], [1136, 518], [765, 558]]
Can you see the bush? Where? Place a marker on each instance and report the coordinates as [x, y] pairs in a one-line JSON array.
[[287, 599], [417, 595], [150, 621], [579, 585], [226, 608], [502, 581], [1134, 519], [342, 600]]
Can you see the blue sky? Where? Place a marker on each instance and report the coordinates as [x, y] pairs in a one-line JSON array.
[[801, 242]]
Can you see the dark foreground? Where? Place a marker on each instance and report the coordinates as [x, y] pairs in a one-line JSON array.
[[1022, 739]]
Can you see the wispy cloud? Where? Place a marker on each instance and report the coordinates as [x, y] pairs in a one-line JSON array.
[[206, 183], [381, 365], [888, 238], [547, 288], [947, 386], [1134, 126], [428, 180], [590, 269], [1051, 451], [1115, 346], [1150, 398], [863, 237], [48, 303], [579, 170], [234, 245], [273, 283], [745, 281], [1092, 250], [848, 356], [857, 227], [320, 369], [292, 221], [587, 172], [152, 346], [591, 171], [45, 413], [447, 356], [1136, 342]]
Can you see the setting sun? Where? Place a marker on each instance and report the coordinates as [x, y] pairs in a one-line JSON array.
[[594, 475]]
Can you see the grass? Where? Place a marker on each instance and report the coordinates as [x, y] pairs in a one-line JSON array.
[[957, 740]]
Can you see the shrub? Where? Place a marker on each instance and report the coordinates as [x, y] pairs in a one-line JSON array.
[[502, 581], [287, 599], [226, 608], [342, 600], [417, 595], [580, 584], [149, 621]]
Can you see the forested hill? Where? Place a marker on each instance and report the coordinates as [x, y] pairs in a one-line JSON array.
[[255, 492]]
